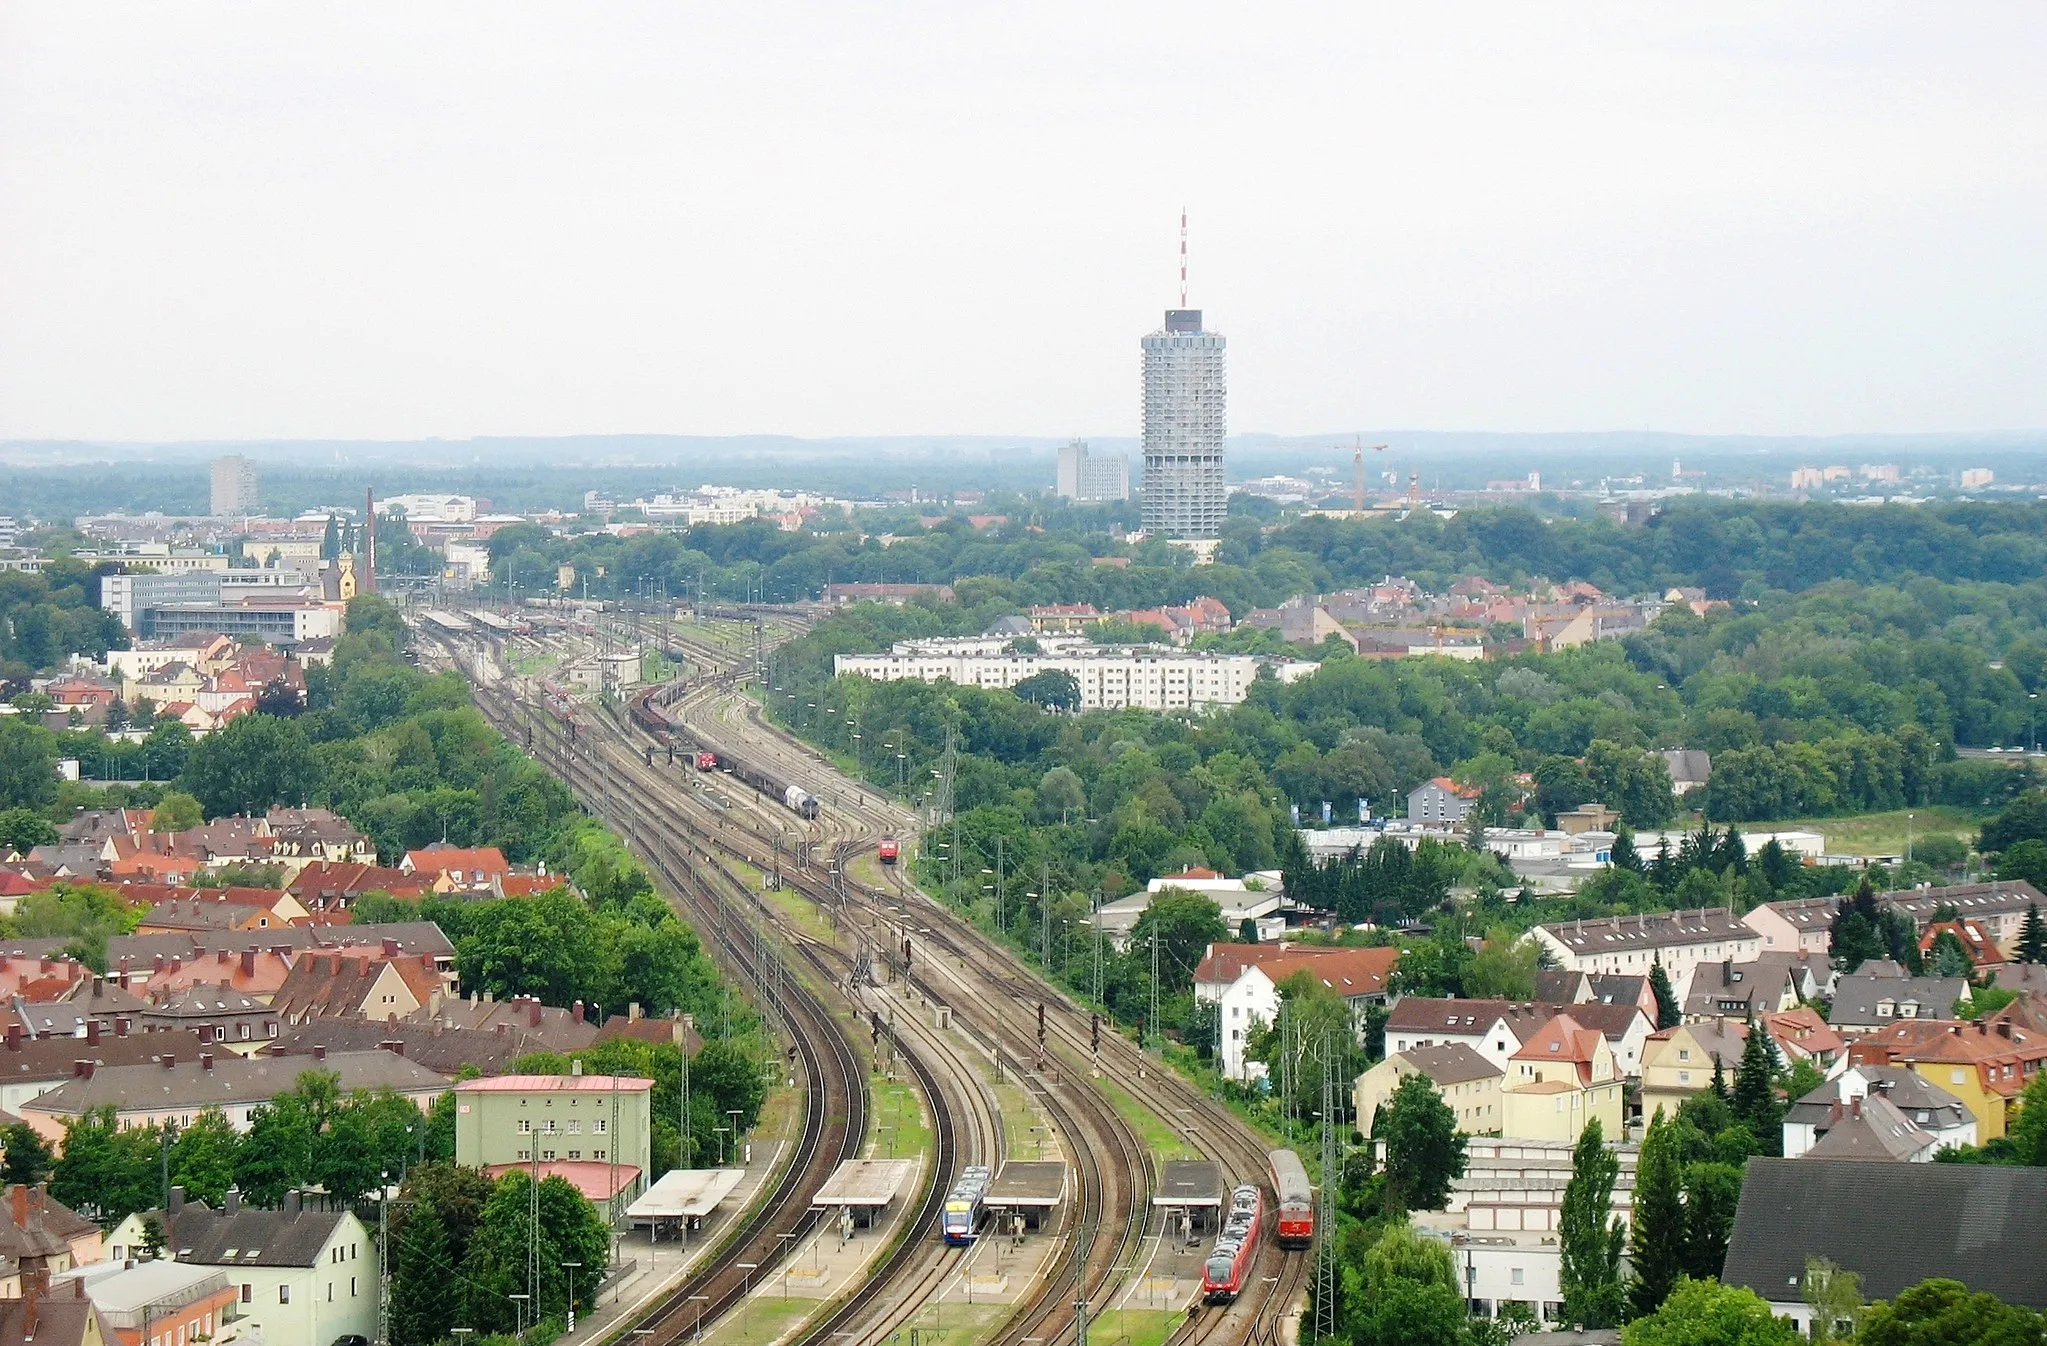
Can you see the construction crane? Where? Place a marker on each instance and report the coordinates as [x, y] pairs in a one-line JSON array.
[[1357, 459]]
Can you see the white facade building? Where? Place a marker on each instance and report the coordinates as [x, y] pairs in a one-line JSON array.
[[1680, 940], [1089, 477], [1184, 427], [1110, 677], [234, 487]]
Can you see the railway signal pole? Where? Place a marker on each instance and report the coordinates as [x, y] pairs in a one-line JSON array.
[[1332, 1177]]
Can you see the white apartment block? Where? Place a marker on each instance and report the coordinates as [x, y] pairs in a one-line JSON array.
[[1680, 940], [1110, 677]]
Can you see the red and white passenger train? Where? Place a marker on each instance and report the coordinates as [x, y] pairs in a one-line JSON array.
[[1229, 1262]]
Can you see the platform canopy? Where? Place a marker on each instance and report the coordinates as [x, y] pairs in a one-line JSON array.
[[685, 1193], [1194, 1183], [1027, 1185], [864, 1183]]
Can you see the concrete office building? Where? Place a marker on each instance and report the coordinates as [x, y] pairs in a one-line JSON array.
[[1089, 477], [1110, 677], [234, 487], [1183, 428]]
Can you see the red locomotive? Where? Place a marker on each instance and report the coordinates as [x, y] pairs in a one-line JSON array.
[[887, 850], [1293, 1223], [707, 761]]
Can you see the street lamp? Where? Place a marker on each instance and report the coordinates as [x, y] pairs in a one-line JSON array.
[[571, 1268], [721, 1130], [733, 1113], [519, 1314], [699, 1301]]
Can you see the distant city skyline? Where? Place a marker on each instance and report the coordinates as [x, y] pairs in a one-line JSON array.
[[389, 221]]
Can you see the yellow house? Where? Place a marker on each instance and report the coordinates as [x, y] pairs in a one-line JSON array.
[[1678, 1062], [1986, 1064], [1466, 1082], [1564, 1076]]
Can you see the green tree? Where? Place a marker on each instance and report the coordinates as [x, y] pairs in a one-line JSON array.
[[27, 1160], [1712, 1191], [1668, 1013], [1186, 924], [1053, 689], [1656, 1238], [1409, 1293], [23, 829], [1856, 935], [203, 1156], [422, 1310], [1061, 795], [1424, 1148], [1633, 782], [28, 764], [1835, 1298], [1706, 1313], [1944, 1313], [494, 1265], [1755, 1092], [1589, 1239], [2032, 936], [1949, 957], [277, 1153], [107, 1173], [176, 812], [1503, 968], [257, 761], [2029, 1128]]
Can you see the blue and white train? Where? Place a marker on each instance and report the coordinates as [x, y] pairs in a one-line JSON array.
[[963, 1205]]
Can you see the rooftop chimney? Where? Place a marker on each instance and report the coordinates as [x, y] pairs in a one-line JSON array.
[[319, 1051], [177, 1202], [232, 1202], [14, 1037], [395, 1046], [18, 1195], [533, 1012], [576, 1011], [293, 1203], [169, 1060], [390, 947], [206, 1060], [92, 1032]]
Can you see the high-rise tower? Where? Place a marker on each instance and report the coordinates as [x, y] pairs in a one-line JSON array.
[[1184, 382]]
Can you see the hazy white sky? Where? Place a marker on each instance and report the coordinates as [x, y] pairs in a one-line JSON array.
[[398, 219]]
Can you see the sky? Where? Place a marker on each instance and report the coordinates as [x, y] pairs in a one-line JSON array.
[[386, 220]]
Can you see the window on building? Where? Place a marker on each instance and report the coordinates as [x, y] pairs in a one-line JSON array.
[[598, 1126], [248, 1293], [284, 1294], [525, 1126]]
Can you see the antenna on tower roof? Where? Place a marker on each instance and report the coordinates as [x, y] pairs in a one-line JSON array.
[[1183, 257]]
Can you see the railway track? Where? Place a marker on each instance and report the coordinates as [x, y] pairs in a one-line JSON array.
[[1281, 1276], [909, 1274]]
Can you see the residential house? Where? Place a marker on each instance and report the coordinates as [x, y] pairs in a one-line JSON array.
[[1870, 1129], [561, 1030], [594, 1130], [179, 1090], [1999, 906], [1440, 800], [1689, 769], [1801, 1034], [1495, 1029], [159, 1301], [41, 1238], [323, 886], [305, 836], [443, 1050], [225, 1019], [1561, 1078], [256, 973], [1468, 1084], [30, 1067], [475, 871], [47, 1319], [1893, 1225], [1983, 953], [1803, 924], [1622, 988], [1864, 1003], [1764, 985], [300, 1275], [1680, 940], [1984, 1064], [1626, 1028], [357, 983], [1243, 981], [1929, 1107], [1679, 1062], [1556, 986]]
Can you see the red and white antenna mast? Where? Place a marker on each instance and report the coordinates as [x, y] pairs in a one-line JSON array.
[[1183, 257]]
